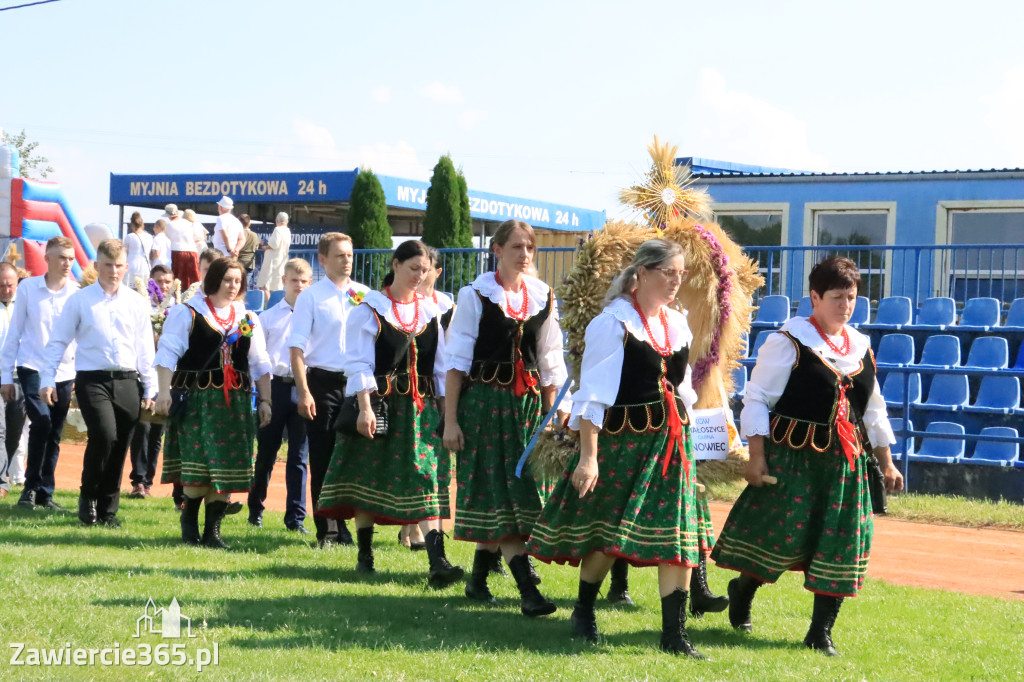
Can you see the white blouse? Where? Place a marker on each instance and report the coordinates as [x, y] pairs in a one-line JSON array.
[[602, 358], [361, 335], [174, 338], [465, 326], [775, 362]]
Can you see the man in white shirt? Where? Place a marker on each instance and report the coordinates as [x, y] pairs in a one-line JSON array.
[[228, 235], [38, 305], [12, 413], [184, 257], [114, 374], [317, 346], [275, 256], [276, 323], [160, 252]]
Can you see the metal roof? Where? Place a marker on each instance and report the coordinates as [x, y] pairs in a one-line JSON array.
[[711, 168]]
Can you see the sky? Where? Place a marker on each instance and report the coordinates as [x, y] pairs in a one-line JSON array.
[[553, 101]]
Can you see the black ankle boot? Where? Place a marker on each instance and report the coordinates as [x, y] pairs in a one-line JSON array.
[[190, 520], [534, 575], [442, 573], [674, 638], [701, 599], [364, 560], [343, 537], [533, 602], [87, 510], [476, 587], [497, 565], [741, 596], [215, 512], [618, 593], [819, 636], [583, 620]]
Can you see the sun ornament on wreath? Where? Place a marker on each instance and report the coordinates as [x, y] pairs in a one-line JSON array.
[[667, 190]]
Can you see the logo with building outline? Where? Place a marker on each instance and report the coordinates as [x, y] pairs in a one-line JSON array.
[[166, 622]]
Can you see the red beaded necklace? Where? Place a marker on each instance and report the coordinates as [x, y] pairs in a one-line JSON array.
[[398, 318], [225, 323], [821, 332], [515, 314], [662, 350]]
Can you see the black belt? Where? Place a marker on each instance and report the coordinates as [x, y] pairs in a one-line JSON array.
[[283, 380], [325, 373], [107, 375]]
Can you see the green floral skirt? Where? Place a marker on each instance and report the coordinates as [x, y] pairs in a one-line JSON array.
[[212, 443], [816, 519], [636, 512], [705, 531], [400, 478], [491, 504]]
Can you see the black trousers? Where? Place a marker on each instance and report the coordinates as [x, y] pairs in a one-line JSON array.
[[145, 451], [284, 417], [12, 421], [46, 422], [110, 404], [328, 390]]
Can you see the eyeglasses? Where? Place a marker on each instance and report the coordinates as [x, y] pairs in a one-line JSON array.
[[672, 273]]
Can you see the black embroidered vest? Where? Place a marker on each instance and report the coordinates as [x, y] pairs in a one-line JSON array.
[[640, 402], [804, 416], [392, 355], [200, 367], [497, 338]]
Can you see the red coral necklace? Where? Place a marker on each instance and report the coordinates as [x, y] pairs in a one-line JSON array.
[[515, 314], [411, 327], [662, 350], [845, 350]]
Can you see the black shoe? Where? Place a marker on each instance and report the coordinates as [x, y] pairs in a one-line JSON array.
[[618, 592], [190, 520], [87, 510], [442, 573], [256, 519], [27, 499], [300, 529], [819, 636], [343, 537], [674, 638], [584, 624], [364, 560], [109, 520], [741, 595], [49, 504], [476, 587], [496, 565], [233, 508], [534, 575], [701, 599], [215, 512], [533, 603]]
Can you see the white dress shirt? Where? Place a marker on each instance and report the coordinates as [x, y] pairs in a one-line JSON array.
[[6, 311], [162, 245], [174, 339], [465, 326], [113, 332], [775, 361], [226, 233], [277, 328], [36, 310], [601, 370], [445, 302], [318, 325], [180, 234], [361, 337]]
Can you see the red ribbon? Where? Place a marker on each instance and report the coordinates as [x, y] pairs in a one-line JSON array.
[[231, 378], [524, 381], [675, 432], [845, 428], [414, 379]]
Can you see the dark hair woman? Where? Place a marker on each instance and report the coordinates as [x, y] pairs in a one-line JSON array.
[[394, 352], [813, 382]]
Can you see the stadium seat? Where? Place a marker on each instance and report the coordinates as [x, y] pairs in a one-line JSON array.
[[861, 311], [739, 382], [991, 352], [1015, 318], [254, 300], [997, 395], [275, 298], [993, 453], [804, 309], [942, 450], [980, 314], [936, 313], [1019, 365], [897, 449], [941, 350], [948, 393], [893, 312], [895, 349], [772, 311], [758, 342], [746, 344], [892, 389]]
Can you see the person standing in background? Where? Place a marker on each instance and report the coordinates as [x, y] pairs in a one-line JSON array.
[[184, 256], [228, 235], [160, 253], [12, 413], [250, 244], [277, 248], [199, 232], [138, 243]]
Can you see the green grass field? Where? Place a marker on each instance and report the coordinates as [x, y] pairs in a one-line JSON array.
[[278, 609]]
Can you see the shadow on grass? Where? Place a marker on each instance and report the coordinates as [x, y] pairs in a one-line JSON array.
[[128, 536], [327, 574]]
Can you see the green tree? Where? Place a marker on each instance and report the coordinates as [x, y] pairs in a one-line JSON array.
[[32, 165], [368, 226], [447, 223]]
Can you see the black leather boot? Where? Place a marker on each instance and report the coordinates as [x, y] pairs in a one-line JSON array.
[[215, 512], [701, 599], [442, 573], [534, 575], [497, 565], [674, 638], [583, 620], [819, 636], [343, 537], [618, 593], [533, 603], [741, 596], [190, 520], [476, 587], [87, 510], [364, 560]]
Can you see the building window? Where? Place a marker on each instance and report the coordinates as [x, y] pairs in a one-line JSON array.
[[996, 269], [751, 230], [856, 228]]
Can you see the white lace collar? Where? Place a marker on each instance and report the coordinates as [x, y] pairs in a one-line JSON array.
[[805, 333], [678, 328], [379, 301], [487, 285]]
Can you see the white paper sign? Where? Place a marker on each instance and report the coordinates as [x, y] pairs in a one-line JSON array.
[[710, 434]]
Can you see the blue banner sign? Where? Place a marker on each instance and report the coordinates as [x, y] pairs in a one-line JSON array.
[[264, 188]]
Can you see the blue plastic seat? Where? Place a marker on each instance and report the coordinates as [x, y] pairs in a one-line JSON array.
[[772, 311], [804, 308], [942, 450], [936, 313], [275, 298], [893, 312], [739, 382], [896, 449], [892, 389], [997, 395], [1020, 357], [948, 393], [896, 349], [993, 453], [980, 314], [941, 350], [254, 300], [1015, 318], [746, 344], [861, 312], [991, 352], [758, 342]]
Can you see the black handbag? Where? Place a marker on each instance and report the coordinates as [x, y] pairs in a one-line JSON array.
[[179, 403], [876, 479], [348, 415]]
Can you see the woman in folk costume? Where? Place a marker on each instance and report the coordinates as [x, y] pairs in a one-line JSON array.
[[629, 493], [505, 365], [394, 352], [210, 357], [814, 381]]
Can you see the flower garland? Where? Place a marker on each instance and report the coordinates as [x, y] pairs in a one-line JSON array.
[[720, 264]]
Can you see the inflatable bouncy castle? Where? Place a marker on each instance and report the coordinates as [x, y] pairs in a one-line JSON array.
[[33, 211]]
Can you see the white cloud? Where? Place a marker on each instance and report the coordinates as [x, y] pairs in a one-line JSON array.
[[1004, 105], [381, 93], [744, 128], [441, 93], [469, 118]]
